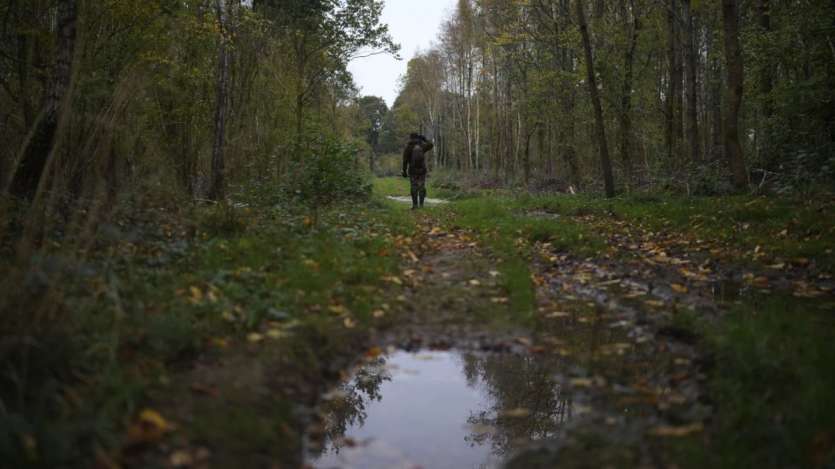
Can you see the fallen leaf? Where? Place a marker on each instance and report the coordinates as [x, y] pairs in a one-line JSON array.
[[196, 295], [678, 288], [523, 341], [581, 382], [337, 309], [378, 313], [219, 342], [475, 282], [677, 431], [558, 314], [254, 337], [374, 352], [349, 323], [181, 458], [276, 334], [148, 427], [393, 279]]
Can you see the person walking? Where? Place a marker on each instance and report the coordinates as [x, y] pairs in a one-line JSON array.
[[414, 167]]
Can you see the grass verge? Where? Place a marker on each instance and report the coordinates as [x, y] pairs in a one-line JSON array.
[[262, 284]]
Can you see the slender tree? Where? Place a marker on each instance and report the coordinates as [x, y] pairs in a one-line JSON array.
[[691, 65], [600, 126], [216, 189], [733, 58]]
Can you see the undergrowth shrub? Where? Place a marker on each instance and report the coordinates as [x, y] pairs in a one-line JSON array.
[[328, 172], [224, 219]]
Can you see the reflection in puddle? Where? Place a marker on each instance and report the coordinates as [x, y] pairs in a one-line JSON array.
[[440, 410]]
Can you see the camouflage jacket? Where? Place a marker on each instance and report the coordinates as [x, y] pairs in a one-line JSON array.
[[423, 145]]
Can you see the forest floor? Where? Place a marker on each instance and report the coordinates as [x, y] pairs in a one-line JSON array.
[[639, 332]]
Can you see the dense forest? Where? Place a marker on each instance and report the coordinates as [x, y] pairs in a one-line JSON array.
[[201, 236], [697, 96]]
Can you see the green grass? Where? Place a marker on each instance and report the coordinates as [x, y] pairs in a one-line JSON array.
[[771, 384], [435, 188], [149, 310], [782, 227], [508, 232]]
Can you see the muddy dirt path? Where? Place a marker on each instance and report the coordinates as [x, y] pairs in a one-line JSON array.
[[584, 380]]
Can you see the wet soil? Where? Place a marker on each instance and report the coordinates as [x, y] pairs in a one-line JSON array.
[[518, 392]]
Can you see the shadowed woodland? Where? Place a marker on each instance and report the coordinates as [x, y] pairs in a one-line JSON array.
[[198, 236]]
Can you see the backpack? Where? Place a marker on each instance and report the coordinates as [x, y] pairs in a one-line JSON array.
[[417, 164]]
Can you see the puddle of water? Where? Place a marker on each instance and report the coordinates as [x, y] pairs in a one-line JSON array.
[[440, 410], [408, 200]]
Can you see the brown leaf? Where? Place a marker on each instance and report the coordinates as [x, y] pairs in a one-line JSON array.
[[678, 288], [677, 431]]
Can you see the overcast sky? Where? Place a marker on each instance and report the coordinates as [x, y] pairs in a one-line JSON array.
[[414, 24]]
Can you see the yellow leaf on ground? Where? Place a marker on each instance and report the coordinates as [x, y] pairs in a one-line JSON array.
[[678, 288], [220, 342], [337, 309], [254, 337], [196, 295], [581, 382], [276, 333], [378, 313], [149, 427], [349, 323]]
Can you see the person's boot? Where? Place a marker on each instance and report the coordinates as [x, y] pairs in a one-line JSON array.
[[414, 200]]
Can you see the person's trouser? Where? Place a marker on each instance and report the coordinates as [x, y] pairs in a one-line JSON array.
[[418, 186]]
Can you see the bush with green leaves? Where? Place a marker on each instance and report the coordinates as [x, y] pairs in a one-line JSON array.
[[328, 172]]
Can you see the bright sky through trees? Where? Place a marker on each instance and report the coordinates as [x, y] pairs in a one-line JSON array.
[[415, 25]]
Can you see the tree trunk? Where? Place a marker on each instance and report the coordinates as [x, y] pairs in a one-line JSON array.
[[41, 144], [716, 137], [766, 85], [691, 64], [673, 98], [608, 180], [733, 57], [216, 190], [626, 92]]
